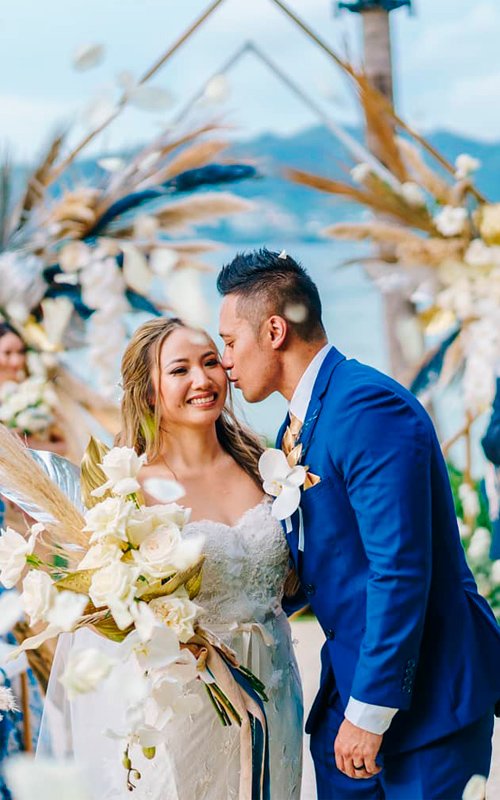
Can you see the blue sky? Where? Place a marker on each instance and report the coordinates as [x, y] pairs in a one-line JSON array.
[[446, 57]]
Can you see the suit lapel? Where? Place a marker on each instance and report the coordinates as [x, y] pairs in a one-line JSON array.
[[332, 360]]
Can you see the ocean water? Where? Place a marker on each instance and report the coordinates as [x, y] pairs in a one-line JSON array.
[[352, 313]]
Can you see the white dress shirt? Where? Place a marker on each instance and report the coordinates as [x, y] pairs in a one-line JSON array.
[[372, 718]]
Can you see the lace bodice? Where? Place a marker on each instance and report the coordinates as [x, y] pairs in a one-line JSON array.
[[245, 568]]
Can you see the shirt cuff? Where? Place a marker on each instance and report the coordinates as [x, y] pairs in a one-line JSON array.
[[374, 719]]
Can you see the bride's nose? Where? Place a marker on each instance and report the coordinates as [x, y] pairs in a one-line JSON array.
[[200, 379]]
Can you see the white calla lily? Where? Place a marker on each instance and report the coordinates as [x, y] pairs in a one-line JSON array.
[[281, 481]]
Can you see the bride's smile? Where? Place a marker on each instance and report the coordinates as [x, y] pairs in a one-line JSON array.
[[191, 383]]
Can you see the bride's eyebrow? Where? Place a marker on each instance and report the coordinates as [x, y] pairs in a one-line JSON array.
[[182, 360]]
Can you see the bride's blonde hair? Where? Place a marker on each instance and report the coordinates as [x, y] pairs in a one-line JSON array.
[[141, 413]]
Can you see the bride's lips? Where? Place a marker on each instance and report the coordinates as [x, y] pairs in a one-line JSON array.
[[204, 400]]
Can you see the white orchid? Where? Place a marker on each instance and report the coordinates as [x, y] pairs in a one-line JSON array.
[[281, 481], [158, 651], [85, 670], [475, 788], [14, 550], [121, 465]]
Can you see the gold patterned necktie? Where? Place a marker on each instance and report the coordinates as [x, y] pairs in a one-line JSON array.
[[293, 451]]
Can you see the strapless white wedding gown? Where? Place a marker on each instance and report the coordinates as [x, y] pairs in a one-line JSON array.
[[243, 578]]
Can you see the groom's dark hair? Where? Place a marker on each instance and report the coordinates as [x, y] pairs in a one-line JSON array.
[[274, 283]]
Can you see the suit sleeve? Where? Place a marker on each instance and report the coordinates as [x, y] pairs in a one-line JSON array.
[[385, 460], [491, 439]]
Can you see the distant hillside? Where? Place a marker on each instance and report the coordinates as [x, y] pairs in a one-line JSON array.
[[296, 212]]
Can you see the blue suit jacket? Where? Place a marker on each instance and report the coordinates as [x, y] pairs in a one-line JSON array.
[[383, 566]]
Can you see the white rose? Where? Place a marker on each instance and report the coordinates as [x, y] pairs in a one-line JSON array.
[[177, 612], [100, 555], [14, 550], [146, 519], [479, 546], [38, 595], [470, 500], [121, 467], [113, 586], [495, 572], [465, 165], [109, 518], [156, 556], [451, 221], [85, 671]]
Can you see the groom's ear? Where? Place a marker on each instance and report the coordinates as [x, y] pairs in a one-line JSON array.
[[276, 331]]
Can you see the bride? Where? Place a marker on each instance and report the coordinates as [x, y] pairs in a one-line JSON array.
[[175, 409]]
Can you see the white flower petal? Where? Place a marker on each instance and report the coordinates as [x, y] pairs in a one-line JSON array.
[[273, 465], [111, 164], [136, 271], [286, 503], [150, 98], [11, 610], [164, 490], [87, 56], [296, 477]]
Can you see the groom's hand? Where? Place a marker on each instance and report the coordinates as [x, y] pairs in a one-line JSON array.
[[356, 747]]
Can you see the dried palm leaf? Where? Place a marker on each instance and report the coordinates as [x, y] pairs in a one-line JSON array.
[[40, 660], [452, 362], [41, 177], [26, 483], [380, 126], [422, 173], [5, 198], [198, 155], [92, 473], [379, 231]]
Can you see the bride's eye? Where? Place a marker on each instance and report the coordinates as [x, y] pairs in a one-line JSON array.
[[212, 362], [179, 371]]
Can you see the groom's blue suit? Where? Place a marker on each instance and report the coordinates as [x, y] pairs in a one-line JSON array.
[[384, 571]]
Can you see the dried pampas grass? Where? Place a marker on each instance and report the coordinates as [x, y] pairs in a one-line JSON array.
[[20, 474]]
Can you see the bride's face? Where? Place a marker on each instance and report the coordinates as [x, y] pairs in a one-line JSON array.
[[192, 385]]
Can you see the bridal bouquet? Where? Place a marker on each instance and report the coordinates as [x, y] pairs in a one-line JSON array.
[[126, 571], [27, 406]]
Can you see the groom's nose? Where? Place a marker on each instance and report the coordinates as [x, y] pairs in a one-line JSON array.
[[226, 361]]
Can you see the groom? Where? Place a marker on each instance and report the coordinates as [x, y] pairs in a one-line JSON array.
[[411, 662]]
